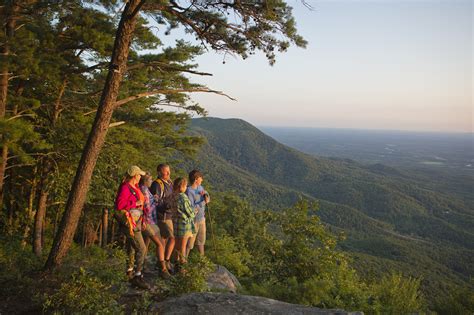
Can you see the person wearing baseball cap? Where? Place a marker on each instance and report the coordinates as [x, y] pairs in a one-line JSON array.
[[134, 171], [129, 214]]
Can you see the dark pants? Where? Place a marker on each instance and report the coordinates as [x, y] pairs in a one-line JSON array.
[[135, 248]]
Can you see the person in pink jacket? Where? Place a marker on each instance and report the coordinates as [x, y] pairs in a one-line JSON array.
[[129, 214]]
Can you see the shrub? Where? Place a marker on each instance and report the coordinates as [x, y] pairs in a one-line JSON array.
[[396, 294], [84, 293], [198, 269]]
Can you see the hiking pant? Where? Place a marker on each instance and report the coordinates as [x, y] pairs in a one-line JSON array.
[[135, 249]]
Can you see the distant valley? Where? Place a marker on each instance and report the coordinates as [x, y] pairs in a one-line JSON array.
[[445, 151], [420, 222]]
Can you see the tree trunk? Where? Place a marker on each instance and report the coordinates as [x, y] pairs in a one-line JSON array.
[[30, 213], [112, 231], [57, 104], [11, 16], [39, 223], [100, 234], [3, 167], [105, 226], [96, 138], [19, 91]]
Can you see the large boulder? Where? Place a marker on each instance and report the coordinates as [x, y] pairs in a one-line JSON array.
[[223, 280], [230, 304]]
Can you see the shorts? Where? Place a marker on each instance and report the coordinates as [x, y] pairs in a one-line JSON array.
[[166, 228], [200, 237], [188, 234], [151, 230]]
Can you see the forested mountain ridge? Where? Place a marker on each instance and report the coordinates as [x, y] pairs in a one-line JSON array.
[[390, 218]]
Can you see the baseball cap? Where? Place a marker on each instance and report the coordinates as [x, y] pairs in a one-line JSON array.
[[135, 170]]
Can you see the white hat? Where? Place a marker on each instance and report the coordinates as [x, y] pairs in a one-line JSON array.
[[135, 170]]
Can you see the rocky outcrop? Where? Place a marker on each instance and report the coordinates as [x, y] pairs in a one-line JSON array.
[[230, 304], [223, 280]]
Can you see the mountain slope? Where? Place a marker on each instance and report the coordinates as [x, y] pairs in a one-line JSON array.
[[386, 214], [382, 197]]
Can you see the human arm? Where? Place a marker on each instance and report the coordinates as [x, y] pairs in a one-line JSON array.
[[185, 207]]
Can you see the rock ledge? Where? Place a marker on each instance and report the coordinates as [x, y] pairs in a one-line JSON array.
[[230, 304]]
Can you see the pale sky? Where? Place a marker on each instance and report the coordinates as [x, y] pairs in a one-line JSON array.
[[404, 65]]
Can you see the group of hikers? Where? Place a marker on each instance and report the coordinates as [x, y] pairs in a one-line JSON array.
[[171, 214]]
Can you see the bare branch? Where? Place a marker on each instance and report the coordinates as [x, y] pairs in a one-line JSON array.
[[90, 112], [19, 165], [171, 91], [19, 116], [115, 124]]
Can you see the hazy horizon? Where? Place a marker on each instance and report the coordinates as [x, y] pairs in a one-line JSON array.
[[382, 65], [367, 129]]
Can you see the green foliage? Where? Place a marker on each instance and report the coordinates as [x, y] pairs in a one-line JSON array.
[[266, 26], [291, 256], [92, 280], [16, 266], [194, 279], [229, 253], [84, 293], [392, 220], [460, 301], [398, 295], [141, 305]]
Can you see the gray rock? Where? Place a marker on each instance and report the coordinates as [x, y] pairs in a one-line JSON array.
[[223, 280], [230, 304]]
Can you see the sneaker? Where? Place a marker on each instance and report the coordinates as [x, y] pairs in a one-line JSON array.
[[138, 282]]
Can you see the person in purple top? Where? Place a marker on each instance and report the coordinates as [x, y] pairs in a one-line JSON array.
[[150, 229], [199, 199]]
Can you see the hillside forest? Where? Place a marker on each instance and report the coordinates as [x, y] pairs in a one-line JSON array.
[[88, 88]]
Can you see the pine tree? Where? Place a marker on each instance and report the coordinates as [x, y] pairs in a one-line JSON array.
[[255, 30]]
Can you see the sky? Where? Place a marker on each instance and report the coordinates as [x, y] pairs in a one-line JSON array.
[[380, 64]]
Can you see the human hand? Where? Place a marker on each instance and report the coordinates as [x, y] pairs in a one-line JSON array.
[[207, 199]]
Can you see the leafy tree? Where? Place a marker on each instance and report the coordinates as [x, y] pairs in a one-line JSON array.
[[255, 29]]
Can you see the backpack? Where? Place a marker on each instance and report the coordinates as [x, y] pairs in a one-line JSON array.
[[167, 201], [162, 186]]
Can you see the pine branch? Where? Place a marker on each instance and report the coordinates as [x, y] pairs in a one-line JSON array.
[[167, 66]]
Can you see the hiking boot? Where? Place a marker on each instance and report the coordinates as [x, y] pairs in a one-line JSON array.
[[138, 282], [130, 274], [165, 274], [170, 267]]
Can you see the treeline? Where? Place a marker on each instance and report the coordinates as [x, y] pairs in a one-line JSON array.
[[392, 221], [288, 255], [83, 88]]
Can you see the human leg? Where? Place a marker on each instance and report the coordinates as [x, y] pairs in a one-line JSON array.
[[201, 236]]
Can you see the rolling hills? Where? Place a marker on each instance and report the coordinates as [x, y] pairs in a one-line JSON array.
[[392, 220]]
